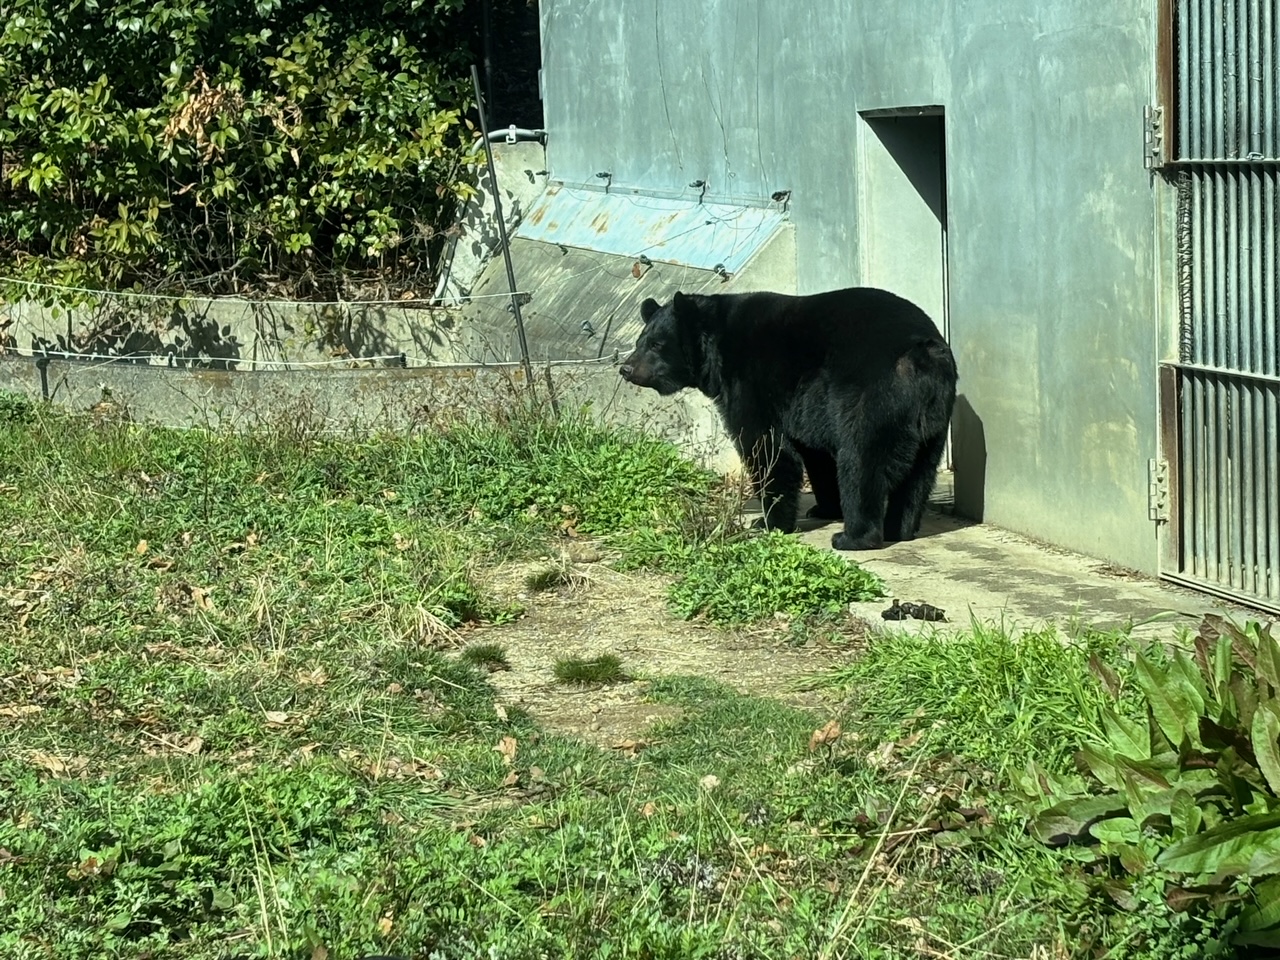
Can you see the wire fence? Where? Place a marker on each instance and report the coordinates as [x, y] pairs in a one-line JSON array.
[[236, 333]]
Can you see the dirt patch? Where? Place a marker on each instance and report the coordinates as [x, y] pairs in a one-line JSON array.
[[601, 610]]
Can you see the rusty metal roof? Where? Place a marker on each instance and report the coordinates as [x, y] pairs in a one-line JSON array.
[[685, 232]]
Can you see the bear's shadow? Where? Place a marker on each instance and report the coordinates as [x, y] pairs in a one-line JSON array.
[[938, 518]]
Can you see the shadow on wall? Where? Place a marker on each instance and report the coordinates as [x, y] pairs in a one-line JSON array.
[[181, 332], [969, 457]]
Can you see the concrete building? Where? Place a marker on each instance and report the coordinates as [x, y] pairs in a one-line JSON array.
[[1082, 193]]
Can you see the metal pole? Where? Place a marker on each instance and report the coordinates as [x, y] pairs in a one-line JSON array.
[[502, 229]]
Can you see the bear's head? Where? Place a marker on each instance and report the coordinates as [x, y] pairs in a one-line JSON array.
[[668, 355]]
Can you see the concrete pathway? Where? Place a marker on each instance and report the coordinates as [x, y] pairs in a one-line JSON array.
[[973, 570]]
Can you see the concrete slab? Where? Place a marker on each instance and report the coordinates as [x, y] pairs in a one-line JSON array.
[[979, 572]]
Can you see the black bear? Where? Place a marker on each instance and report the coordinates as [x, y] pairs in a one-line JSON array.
[[855, 386]]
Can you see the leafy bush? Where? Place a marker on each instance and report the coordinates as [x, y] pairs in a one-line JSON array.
[[750, 578], [224, 144], [1192, 793]]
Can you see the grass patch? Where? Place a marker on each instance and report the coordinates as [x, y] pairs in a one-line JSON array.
[[489, 656], [749, 578], [603, 669], [998, 699], [232, 722]]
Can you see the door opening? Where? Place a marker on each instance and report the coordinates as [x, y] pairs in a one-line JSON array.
[[902, 216]]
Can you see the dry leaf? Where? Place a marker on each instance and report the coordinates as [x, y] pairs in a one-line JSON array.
[[141, 548], [22, 710], [477, 841], [384, 926], [57, 765], [635, 269], [507, 747], [500, 710], [879, 757], [828, 733], [201, 599], [629, 746], [709, 782], [277, 718], [511, 779], [192, 746], [537, 773], [320, 952], [648, 809]]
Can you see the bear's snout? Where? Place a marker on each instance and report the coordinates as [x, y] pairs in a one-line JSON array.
[[627, 372]]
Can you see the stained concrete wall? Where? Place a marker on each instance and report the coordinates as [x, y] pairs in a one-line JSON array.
[[342, 401], [1051, 293]]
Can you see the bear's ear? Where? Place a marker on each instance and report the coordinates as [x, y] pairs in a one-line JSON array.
[[681, 303], [649, 308]]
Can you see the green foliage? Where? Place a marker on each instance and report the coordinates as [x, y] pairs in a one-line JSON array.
[[166, 143], [489, 656], [747, 578], [16, 409], [1000, 699], [1191, 791], [605, 668]]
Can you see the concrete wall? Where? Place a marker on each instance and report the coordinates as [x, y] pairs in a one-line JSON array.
[[365, 400], [1051, 296]]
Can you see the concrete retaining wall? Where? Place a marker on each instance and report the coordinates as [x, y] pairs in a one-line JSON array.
[[365, 399]]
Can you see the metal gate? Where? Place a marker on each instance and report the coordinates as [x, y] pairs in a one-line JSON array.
[[1221, 398]]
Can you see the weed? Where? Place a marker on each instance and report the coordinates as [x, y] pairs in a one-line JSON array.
[[489, 656], [553, 576], [753, 577], [1000, 699], [602, 669]]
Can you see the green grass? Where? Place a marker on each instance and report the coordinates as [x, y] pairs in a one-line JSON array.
[[603, 669], [238, 718]]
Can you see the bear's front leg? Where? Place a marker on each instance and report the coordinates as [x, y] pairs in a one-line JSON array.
[[777, 471]]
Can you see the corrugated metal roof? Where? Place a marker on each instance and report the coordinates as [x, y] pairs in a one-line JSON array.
[[684, 232]]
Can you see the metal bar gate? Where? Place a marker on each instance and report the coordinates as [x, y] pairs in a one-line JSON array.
[[1221, 398]]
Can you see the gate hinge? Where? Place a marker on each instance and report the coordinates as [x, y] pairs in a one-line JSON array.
[[1153, 137], [1158, 491]]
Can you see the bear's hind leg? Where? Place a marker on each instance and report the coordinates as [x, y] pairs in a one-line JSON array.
[[862, 495], [908, 499], [821, 468]]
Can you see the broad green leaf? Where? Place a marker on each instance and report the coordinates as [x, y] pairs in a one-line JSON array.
[[1185, 814], [1106, 676], [1116, 830], [1127, 737], [1245, 693], [1264, 864], [1266, 742], [1172, 704], [1268, 656], [1183, 667], [1100, 761], [1070, 819], [1265, 910], [1227, 849]]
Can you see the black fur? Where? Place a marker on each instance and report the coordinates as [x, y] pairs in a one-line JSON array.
[[854, 386]]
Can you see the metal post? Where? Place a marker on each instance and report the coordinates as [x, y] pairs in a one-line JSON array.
[[502, 229]]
